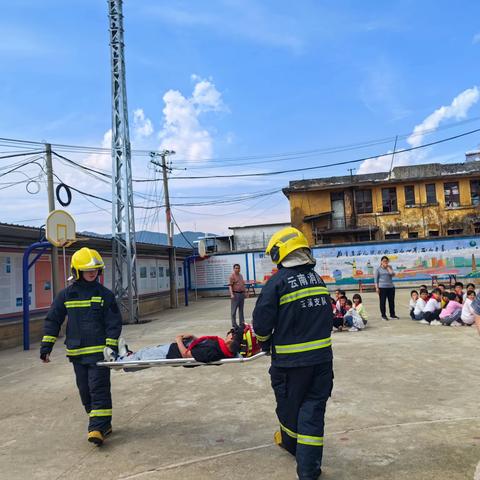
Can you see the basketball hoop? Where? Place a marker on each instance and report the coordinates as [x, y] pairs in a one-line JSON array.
[[60, 228], [202, 248]]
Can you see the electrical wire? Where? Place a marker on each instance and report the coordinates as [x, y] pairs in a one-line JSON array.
[[335, 164], [75, 214], [220, 214], [180, 230], [15, 143]]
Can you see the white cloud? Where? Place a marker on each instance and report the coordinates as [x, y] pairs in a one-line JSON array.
[[457, 110], [374, 165], [182, 129], [101, 160], [142, 126]]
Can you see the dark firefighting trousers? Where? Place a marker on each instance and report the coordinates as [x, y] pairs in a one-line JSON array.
[[302, 394], [94, 386]]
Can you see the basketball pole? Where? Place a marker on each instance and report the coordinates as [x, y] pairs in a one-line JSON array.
[[51, 208]]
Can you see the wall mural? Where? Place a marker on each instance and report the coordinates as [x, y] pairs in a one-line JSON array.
[[412, 261]]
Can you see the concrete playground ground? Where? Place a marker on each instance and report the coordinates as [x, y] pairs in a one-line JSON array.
[[404, 406]]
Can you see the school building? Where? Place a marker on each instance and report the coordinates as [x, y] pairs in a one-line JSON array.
[[417, 201]]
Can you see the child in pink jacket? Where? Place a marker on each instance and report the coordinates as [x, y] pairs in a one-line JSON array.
[[450, 314]]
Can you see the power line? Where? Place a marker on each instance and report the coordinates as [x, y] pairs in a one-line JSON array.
[[20, 154], [335, 164], [281, 156], [181, 233]]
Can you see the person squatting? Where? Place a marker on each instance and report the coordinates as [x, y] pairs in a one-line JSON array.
[[94, 322]]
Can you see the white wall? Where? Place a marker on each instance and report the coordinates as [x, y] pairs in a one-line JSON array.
[[152, 277], [255, 238]]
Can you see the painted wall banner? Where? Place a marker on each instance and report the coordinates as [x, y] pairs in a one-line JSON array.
[[214, 272], [264, 267], [412, 261]]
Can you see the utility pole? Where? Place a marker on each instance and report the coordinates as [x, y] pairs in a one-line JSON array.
[[124, 248], [168, 214], [51, 208]]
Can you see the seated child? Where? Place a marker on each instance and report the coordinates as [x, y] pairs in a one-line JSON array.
[[432, 309], [359, 307], [470, 286], [339, 294], [452, 311], [412, 302], [420, 305], [424, 287], [203, 349], [468, 314], [458, 289], [352, 318], [339, 312]]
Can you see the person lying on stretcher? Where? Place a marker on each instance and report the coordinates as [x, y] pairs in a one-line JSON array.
[[202, 349]]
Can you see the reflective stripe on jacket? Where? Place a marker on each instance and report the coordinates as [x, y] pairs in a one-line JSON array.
[[294, 314], [94, 320]]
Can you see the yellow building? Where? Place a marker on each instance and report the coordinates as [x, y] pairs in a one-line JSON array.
[[417, 201]]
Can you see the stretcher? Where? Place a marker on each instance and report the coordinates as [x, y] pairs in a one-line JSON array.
[[132, 365]]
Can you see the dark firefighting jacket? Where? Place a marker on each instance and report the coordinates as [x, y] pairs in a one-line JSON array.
[[293, 315], [94, 320]]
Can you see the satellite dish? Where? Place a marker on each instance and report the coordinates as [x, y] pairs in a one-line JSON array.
[[202, 248]]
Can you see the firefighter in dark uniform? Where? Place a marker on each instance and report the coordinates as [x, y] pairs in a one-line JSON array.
[[94, 322], [293, 320]]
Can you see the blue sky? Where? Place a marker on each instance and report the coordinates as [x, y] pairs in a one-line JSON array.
[[235, 78]]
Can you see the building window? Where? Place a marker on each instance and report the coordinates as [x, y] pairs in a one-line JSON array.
[[476, 227], [452, 194], [409, 195], [454, 231], [431, 193], [363, 201], [365, 237], [412, 234], [475, 191], [389, 199], [433, 233], [392, 236]]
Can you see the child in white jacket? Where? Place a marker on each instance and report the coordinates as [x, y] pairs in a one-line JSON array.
[[352, 318], [468, 315]]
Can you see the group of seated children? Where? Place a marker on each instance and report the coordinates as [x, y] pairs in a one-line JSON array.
[[349, 314], [440, 307]]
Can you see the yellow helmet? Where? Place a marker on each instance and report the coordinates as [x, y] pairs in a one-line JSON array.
[[284, 242], [86, 259]]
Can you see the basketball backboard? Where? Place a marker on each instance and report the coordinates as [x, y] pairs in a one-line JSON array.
[[60, 228]]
